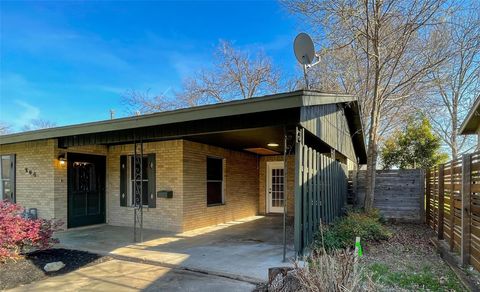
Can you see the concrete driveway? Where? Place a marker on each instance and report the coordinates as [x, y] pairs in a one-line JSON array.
[[116, 275], [242, 249]]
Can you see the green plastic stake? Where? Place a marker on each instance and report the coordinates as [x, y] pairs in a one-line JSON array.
[[358, 247]]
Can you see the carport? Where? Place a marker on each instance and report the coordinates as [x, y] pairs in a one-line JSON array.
[[323, 132], [157, 172], [242, 249]]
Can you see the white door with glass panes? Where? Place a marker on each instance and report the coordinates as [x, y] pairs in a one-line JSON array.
[[275, 187]]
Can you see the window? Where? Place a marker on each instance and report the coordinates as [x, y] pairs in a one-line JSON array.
[[214, 181], [143, 181], [7, 177], [146, 182]]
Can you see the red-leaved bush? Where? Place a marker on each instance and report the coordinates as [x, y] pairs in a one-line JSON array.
[[19, 234]]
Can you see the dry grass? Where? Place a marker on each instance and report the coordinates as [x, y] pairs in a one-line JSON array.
[[336, 271]]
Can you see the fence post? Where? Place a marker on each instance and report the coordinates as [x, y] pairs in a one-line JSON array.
[[355, 187], [441, 196], [422, 196], [452, 206], [427, 199], [465, 234]]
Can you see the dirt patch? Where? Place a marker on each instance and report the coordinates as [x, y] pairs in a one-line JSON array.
[[30, 267], [409, 261]]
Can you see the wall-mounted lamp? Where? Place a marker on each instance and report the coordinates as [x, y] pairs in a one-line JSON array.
[[272, 144], [62, 158]]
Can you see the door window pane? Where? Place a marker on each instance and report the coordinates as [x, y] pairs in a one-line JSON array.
[[84, 177], [277, 191]]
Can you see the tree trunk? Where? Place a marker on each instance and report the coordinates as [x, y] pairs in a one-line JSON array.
[[374, 115], [371, 161], [453, 138]]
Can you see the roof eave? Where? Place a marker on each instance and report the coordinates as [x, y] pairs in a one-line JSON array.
[[168, 117], [358, 136], [265, 103], [472, 122]]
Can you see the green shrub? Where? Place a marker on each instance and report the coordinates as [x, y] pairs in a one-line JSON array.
[[342, 233]]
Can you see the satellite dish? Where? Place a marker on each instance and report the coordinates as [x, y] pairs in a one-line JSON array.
[[304, 49]]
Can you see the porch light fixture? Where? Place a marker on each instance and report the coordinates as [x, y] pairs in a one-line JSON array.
[[62, 158], [272, 144]]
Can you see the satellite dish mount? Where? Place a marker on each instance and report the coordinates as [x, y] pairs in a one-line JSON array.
[[305, 53]]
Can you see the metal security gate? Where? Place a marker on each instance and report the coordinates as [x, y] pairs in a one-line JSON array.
[[320, 191]]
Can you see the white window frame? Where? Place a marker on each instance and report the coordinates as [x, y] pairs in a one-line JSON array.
[[130, 182], [12, 184]]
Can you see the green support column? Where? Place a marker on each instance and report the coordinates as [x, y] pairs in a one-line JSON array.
[[298, 191]]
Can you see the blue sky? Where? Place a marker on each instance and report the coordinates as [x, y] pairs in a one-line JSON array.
[[70, 62]]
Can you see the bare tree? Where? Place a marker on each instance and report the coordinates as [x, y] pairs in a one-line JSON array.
[[37, 124], [143, 102], [391, 51], [234, 74], [5, 128], [456, 83]]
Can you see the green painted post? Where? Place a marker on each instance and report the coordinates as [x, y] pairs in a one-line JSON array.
[[305, 195], [322, 189], [329, 187], [298, 191]]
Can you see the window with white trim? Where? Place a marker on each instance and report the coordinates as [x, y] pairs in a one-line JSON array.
[[131, 180], [7, 177]]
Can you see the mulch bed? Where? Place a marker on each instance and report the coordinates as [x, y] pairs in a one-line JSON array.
[[29, 268], [408, 261], [411, 254]]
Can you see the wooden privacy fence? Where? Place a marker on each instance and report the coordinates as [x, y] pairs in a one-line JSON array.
[[399, 193], [452, 196], [320, 191]]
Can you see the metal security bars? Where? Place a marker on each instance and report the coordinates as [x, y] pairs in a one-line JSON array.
[[138, 190], [320, 191]]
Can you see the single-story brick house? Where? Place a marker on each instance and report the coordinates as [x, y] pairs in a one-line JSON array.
[[190, 167]]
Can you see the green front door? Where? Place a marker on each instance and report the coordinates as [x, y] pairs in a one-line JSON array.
[[86, 189]]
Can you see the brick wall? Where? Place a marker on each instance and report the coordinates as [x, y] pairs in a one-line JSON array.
[[240, 180], [180, 167], [34, 191], [169, 170], [263, 182]]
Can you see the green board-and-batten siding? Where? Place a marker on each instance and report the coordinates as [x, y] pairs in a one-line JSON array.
[[320, 191], [329, 123]]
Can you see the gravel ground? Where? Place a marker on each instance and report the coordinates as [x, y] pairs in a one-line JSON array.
[[29, 268], [409, 261]]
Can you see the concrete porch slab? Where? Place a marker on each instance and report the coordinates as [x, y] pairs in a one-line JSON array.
[[242, 249], [116, 275]]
